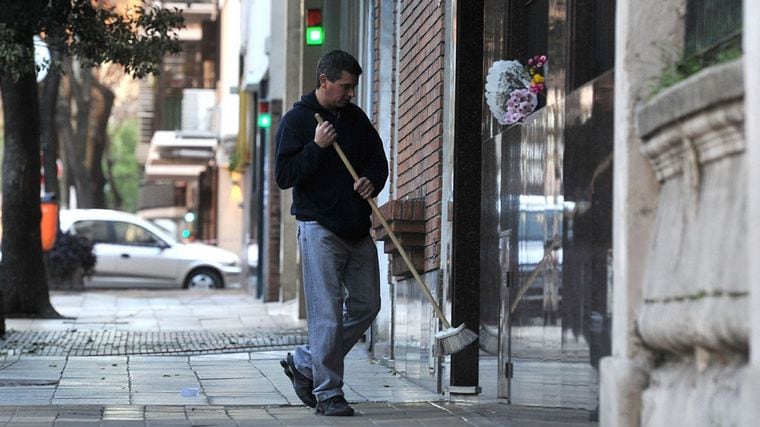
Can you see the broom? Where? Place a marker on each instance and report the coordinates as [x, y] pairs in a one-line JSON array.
[[450, 340]]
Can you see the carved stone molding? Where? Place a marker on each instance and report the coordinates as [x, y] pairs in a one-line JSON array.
[[695, 291], [698, 139], [694, 122]]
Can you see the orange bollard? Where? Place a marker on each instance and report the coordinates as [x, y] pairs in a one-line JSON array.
[[49, 224]]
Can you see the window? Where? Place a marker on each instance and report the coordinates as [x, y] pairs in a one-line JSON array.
[[95, 231], [712, 26], [131, 234]]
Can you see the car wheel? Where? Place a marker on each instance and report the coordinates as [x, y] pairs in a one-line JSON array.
[[203, 278]]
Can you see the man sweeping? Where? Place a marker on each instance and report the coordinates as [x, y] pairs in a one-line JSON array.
[[339, 259]]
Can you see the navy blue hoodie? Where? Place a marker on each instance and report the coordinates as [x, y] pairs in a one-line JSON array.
[[323, 189]]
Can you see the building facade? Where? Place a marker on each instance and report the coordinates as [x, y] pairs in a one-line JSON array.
[[476, 203], [684, 347], [599, 246]]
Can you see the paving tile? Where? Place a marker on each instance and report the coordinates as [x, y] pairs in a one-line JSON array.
[[242, 392], [247, 400], [258, 423], [81, 413], [122, 423], [163, 410], [213, 358], [396, 423], [249, 413], [167, 423], [77, 423], [237, 387], [85, 391], [167, 399], [91, 401], [118, 415]]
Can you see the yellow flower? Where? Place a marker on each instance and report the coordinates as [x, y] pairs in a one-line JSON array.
[[538, 78]]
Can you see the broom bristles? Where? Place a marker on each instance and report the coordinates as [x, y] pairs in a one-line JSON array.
[[453, 340]]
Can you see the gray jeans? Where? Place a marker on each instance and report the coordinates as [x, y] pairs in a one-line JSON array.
[[342, 286]]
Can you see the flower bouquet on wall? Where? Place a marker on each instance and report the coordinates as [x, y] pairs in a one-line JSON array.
[[512, 89]]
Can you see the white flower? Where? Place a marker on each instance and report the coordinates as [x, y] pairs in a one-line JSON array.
[[505, 77]]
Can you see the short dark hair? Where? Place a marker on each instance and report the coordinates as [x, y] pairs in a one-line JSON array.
[[334, 63]]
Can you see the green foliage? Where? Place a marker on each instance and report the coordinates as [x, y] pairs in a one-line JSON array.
[[137, 39], [19, 21], [693, 64], [234, 160], [729, 54], [108, 37], [125, 171], [15, 58]]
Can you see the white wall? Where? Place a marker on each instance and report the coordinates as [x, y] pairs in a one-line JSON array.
[[229, 208]]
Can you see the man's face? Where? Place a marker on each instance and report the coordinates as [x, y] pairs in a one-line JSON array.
[[339, 93]]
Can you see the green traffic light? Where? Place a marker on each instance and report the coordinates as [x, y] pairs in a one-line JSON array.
[[265, 120], [315, 36], [185, 233]]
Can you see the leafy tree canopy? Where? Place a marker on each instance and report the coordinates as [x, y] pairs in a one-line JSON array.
[[95, 32]]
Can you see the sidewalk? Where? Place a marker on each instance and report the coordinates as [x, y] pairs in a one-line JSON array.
[[199, 358]]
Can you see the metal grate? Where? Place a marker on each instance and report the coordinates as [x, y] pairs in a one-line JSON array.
[[711, 25], [129, 343]]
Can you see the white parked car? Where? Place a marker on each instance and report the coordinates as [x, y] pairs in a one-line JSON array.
[[135, 253]]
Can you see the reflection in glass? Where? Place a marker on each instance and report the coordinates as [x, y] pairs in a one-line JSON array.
[[551, 180]]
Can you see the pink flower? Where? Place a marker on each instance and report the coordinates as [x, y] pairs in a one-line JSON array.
[[520, 104]]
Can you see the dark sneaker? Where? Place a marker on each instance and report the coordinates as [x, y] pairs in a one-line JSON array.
[[335, 406], [301, 383]]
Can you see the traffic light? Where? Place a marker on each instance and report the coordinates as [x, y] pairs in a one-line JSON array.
[[264, 118], [315, 33], [187, 230]]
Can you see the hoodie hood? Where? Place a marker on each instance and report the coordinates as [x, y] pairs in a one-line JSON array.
[[310, 102]]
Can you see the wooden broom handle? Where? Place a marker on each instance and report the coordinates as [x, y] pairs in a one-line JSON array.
[[390, 232]]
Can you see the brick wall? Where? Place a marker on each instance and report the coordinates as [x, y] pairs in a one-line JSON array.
[[420, 115], [273, 270], [274, 215]]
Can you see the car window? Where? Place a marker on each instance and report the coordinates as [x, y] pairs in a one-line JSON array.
[[131, 234], [96, 231]]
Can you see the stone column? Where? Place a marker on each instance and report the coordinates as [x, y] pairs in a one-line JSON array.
[[750, 410], [694, 314], [640, 57]]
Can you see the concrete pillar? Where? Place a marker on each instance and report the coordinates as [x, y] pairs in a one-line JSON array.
[[751, 44], [291, 90], [623, 374]]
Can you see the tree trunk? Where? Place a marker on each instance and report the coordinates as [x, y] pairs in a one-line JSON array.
[[74, 138], [100, 112], [116, 197], [48, 132], [84, 109], [25, 290]]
